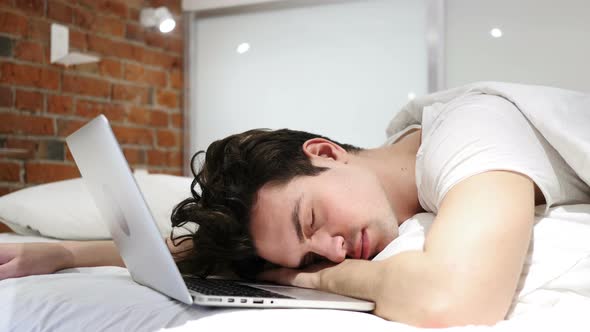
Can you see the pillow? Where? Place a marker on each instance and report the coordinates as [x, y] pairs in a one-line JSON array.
[[558, 259], [65, 209]]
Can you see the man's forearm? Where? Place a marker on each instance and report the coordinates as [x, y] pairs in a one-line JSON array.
[[353, 277], [89, 253], [403, 287]]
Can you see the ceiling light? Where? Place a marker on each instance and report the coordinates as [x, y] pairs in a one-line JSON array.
[[243, 48], [496, 33], [411, 96], [160, 17]]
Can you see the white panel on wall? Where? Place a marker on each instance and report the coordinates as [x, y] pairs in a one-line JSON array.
[[341, 69], [542, 42]]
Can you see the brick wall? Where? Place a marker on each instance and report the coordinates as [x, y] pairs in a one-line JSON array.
[[137, 85]]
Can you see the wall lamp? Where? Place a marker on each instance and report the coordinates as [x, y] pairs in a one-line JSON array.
[[160, 17]]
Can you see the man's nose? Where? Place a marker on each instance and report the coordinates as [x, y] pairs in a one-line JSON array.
[[330, 247]]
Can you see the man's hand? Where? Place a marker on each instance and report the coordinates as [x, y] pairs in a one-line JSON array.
[[25, 259], [308, 277]]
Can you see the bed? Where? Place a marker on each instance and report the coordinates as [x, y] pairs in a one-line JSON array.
[[554, 292]]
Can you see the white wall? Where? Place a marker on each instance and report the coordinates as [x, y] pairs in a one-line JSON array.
[[544, 42], [340, 69]]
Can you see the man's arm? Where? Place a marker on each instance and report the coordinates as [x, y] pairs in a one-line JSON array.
[[469, 268], [105, 253], [89, 253]]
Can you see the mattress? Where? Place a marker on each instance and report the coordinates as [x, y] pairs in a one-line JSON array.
[[107, 299]]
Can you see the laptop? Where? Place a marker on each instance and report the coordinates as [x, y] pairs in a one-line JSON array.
[[110, 182]]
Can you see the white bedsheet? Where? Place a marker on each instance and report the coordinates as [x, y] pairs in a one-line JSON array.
[[555, 295]]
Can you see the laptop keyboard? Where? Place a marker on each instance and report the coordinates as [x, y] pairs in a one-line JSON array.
[[221, 287]]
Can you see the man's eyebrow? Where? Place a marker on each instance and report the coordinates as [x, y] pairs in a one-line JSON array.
[[296, 221]]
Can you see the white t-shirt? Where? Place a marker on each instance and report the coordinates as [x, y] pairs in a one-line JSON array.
[[476, 133]]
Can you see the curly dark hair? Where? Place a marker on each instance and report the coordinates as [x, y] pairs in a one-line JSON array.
[[234, 169]]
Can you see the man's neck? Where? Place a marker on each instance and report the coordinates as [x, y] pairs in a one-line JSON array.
[[395, 166]]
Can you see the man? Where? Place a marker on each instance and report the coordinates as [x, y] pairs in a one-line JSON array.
[[317, 211]]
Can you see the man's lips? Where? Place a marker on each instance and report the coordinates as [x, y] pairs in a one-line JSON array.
[[361, 248], [365, 245]]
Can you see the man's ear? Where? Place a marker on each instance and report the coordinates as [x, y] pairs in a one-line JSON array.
[[324, 149]]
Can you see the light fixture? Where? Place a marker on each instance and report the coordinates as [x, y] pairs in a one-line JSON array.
[[496, 33], [243, 48], [411, 96], [60, 48], [160, 17]]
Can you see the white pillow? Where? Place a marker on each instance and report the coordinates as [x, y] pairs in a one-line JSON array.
[[65, 209], [557, 260]]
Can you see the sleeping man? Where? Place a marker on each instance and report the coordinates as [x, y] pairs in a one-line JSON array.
[[301, 209]]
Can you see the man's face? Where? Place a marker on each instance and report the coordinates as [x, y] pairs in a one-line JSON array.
[[342, 212]]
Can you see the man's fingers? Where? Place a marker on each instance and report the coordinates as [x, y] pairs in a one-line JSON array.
[[269, 275], [282, 276]]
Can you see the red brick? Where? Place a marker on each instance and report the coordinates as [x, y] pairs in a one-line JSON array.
[[109, 25], [88, 4], [38, 29], [156, 158], [11, 123], [91, 68], [112, 68], [134, 3], [175, 45], [31, 6], [131, 93], [173, 5], [67, 127], [176, 79], [159, 119], [69, 156], [29, 51], [134, 32], [14, 24], [138, 73], [160, 59], [59, 104], [178, 31], [20, 74], [168, 138], [6, 98], [108, 47], [44, 172], [86, 85], [29, 100], [60, 12], [167, 98], [8, 3], [84, 18], [129, 135], [78, 40], [134, 156], [133, 14], [25, 144], [139, 115], [9, 171], [115, 8], [176, 120], [157, 39], [91, 109], [164, 158]]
